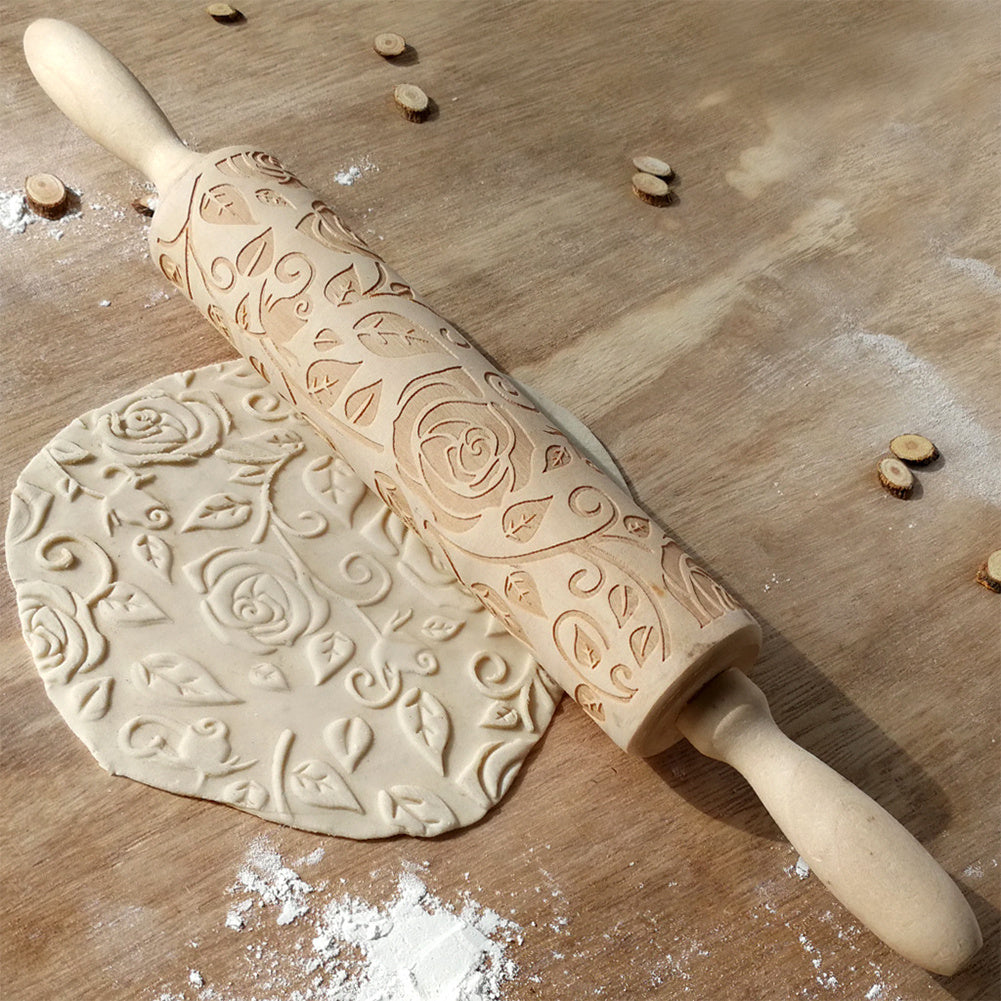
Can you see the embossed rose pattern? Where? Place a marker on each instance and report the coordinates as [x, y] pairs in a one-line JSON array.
[[58, 627], [156, 427], [257, 600]]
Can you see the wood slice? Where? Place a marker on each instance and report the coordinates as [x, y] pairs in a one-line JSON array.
[[47, 195], [989, 573], [412, 101], [650, 189], [895, 476], [653, 165], [389, 44], [915, 449]]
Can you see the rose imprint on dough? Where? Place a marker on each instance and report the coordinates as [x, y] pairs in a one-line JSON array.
[[219, 607]]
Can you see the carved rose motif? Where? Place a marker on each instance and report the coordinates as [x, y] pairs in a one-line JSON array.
[[458, 447], [155, 427], [256, 599], [59, 630]]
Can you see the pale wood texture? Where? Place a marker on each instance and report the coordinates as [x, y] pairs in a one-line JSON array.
[[824, 279]]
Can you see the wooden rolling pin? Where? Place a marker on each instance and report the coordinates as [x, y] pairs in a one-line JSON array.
[[627, 624]]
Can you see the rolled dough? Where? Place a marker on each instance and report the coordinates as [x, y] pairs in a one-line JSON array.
[[219, 607]]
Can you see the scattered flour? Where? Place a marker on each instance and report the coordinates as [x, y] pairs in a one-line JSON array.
[[413, 947], [349, 175], [980, 271], [14, 214]]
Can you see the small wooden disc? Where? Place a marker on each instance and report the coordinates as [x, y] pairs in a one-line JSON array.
[[47, 195], [914, 448], [223, 12], [412, 101], [389, 44], [651, 189], [895, 476], [990, 573], [651, 165]]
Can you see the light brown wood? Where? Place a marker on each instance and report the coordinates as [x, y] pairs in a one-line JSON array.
[[223, 12], [989, 574], [895, 477], [412, 101], [653, 165], [389, 44], [46, 195], [914, 449], [778, 265], [650, 188]]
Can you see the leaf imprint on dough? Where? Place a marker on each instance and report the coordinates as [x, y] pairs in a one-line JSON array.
[[154, 553], [349, 740], [268, 676], [496, 766], [520, 587], [500, 716], [327, 653], [521, 521], [172, 677], [416, 811], [68, 453], [245, 793], [128, 605], [439, 628], [334, 483], [426, 723], [91, 699], [318, 784], [28, 510], [220, 511]]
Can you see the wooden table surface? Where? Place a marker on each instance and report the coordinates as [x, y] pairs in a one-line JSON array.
[[825, 279]]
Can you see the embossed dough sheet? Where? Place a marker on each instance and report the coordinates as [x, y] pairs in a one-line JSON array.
[[618, 614]]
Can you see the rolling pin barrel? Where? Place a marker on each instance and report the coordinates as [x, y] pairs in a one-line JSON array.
[[616, 612]]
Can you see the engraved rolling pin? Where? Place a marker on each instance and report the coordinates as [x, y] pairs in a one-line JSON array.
[[626, 623]]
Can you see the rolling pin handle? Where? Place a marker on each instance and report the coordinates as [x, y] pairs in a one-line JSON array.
[[876, 868], [102, 97]]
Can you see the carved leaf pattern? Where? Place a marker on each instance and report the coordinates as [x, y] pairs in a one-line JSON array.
[[154, 553], [318, 784], [349, 740], [327, 653], [521, 521], [256, 257], [556, 456], [586, 649], [642, 642], [225, 205], [128, 605], [426, 723], [416, 811], [622, 601], [390, 335], [520, 587], [362, 405], [173, 677], [220, 511], [91, 699]]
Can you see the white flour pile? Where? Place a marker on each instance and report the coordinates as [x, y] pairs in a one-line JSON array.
[[413, 947]]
